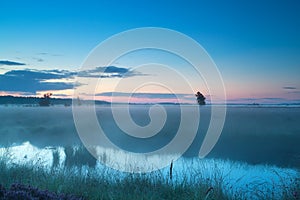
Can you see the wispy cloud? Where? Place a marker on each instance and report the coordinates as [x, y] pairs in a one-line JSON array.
[[108, 72], [141, 97], [42, 53], [147, 95], [61, 95], [38, 59], [257, 99], [48, 54], [263, 100], [289, 88], [9, 63]]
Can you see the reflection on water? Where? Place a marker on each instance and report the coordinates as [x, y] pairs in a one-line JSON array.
[[76, 156], [235, 176]]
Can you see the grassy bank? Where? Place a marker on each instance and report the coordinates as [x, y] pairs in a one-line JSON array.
[[89, 183], [103, 185]]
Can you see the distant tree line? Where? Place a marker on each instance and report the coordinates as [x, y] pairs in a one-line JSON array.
[[6, 100]]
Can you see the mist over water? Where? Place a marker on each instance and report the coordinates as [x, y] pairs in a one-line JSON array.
[[261, 135], [256, 135]]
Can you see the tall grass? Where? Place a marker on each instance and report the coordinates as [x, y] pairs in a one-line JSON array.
[[105, 184], [88, 182]]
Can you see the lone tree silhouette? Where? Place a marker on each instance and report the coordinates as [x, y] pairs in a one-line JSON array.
[[200, 98], [46, 100]]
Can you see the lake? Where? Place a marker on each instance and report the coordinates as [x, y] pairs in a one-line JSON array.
[[257, 143]]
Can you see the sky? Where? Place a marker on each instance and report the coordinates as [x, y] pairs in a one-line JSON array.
[[254, 44]]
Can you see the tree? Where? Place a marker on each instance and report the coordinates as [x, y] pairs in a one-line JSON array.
[[200, 98], [46, 100]]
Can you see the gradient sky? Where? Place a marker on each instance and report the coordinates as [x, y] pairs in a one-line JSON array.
[[255, 44]]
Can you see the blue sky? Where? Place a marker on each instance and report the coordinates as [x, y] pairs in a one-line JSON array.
[[255, 44]]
